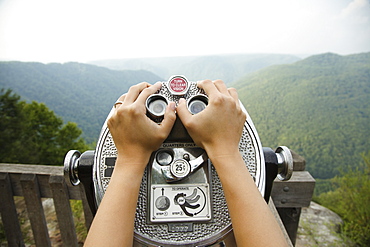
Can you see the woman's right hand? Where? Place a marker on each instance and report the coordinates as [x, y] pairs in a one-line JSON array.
[[218, 128]]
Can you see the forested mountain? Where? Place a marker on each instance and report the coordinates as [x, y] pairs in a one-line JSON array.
[[77, 92], [319, 106], [226, 67]]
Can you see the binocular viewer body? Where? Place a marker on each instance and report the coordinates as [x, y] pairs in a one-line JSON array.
[[181, 201]]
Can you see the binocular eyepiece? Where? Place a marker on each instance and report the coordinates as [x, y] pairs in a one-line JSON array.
[[156, 105], [197, 103]]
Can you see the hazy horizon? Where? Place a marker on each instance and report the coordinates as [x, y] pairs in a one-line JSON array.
[[89, 30]]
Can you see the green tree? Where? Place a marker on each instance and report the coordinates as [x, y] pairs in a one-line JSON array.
[[39, 135], [351, 200], [11, 124], [69, 138], [33, 134]]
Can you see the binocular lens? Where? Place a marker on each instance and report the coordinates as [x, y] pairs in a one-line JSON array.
[[157, 105], [197, 104]]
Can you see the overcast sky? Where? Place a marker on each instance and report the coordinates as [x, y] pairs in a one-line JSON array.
[[85, 30]]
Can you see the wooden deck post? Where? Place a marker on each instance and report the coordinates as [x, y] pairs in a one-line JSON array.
[[290, 196], [9, 213], [35, 210], [63, 210], [86, 207]]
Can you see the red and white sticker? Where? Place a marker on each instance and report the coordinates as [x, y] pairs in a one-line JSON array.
[[178, 85]]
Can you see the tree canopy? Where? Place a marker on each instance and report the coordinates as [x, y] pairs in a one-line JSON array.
[[350, 198], [33, 134]]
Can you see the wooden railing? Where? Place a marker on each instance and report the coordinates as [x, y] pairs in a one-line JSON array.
[[34, 182]]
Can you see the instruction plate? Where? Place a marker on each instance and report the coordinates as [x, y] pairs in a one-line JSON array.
[[178, 203]]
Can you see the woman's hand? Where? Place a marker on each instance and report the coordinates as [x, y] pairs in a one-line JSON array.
[[134, 134], [135, 137], [218, 128]]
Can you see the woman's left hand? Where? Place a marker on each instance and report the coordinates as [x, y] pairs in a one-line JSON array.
[[134, 134]]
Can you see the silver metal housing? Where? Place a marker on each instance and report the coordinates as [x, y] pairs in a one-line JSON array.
[[215, 225]]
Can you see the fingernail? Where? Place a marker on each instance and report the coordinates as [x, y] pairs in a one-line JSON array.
[[181, 100], [172, 106]]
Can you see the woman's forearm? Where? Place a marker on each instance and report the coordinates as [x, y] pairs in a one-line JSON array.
[[135, 137], [114, 221], [251, 218]]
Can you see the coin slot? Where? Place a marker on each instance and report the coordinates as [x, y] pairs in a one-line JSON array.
[[164, 157]]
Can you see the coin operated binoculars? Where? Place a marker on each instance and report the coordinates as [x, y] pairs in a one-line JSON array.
[[181, 201]]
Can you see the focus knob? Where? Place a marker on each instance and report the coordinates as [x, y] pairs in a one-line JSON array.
[[71, 167], [285, 163]]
